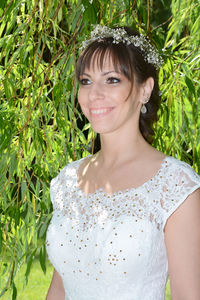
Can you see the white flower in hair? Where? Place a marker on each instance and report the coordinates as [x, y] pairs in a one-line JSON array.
[[119, 35]]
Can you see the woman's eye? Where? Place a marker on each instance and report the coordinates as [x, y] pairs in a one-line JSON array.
[[112, 80], [85, 81]]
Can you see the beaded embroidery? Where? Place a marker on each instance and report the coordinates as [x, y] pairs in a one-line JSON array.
[[112, 247]]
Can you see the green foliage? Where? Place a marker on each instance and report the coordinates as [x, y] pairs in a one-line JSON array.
[[41, 127], [179, 127], [37, 286]]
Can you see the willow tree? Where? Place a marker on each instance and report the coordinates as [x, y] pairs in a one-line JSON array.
[[41, 127]]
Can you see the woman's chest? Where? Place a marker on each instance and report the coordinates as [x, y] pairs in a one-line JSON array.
[[124, 245]]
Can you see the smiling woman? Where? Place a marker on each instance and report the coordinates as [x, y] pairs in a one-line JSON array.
[[129, 65], [128, 215], [104, 97]]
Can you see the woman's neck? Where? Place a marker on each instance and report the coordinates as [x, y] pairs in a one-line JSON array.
[[118, 148]]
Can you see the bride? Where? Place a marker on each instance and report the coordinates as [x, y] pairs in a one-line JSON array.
[[127, 216]]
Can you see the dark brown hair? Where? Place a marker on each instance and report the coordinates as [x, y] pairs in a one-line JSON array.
[[130, 60]]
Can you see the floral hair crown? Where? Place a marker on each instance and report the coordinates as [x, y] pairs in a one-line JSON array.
[[119, 35]]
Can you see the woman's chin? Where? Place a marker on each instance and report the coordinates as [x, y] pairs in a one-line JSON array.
[[102, 129]]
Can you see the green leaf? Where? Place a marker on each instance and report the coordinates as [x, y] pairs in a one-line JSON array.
[[29, 264], [1, 240], [14, 294], [43, 258], [190, 85]]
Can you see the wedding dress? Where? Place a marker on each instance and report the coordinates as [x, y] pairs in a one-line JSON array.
[[111, 247]]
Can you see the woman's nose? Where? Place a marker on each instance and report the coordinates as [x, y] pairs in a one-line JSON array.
[[96, 92]]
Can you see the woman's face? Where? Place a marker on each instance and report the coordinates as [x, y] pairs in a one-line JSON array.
[[105, 98]]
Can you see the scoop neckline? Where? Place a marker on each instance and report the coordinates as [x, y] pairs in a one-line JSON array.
[[101, 191]]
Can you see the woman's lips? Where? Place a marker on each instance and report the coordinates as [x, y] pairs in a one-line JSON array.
[[100, 111]]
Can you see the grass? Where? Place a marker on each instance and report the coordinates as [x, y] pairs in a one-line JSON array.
[[38, 284]]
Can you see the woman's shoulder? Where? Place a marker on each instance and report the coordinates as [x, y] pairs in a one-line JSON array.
[[180, 181], [179, 169], [68, 171], [64, 182]]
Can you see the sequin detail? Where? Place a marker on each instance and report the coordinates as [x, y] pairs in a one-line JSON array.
[[112, 247]]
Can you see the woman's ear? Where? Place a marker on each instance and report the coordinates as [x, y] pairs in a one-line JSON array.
[[148, 87]]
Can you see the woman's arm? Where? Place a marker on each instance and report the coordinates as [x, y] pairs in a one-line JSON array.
[[56, 290], [182, 238]]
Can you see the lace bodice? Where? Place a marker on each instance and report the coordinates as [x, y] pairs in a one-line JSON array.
[[111, 247]]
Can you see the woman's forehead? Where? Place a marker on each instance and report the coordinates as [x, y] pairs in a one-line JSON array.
[[103, 61]]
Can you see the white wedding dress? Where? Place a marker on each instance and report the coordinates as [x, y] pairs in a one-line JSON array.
[[112, 247]]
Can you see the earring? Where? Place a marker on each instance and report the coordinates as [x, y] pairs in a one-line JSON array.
[[143, 108]]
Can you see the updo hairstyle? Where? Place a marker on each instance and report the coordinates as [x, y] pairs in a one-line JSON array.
[[130, 61]]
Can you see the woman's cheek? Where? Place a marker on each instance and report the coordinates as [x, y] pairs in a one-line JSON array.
[[84, 109], [82, 99], [80, 96]]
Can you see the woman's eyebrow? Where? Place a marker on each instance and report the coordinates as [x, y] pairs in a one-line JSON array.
[[85, 74], [113, 71], [103, 74]]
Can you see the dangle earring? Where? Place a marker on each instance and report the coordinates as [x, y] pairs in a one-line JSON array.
[[143, 108]]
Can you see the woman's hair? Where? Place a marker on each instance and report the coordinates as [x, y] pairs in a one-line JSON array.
[[130, 60]]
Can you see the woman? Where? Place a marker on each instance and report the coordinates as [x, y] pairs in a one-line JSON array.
[[126, 215]]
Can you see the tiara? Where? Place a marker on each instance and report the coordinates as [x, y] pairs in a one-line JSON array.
[[119, 35]]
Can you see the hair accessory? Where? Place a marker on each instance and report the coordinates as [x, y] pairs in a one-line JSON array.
[[119, 35], [143, 108]]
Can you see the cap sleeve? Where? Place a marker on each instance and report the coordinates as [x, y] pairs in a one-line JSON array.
[[181, 181], [61, 185]]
